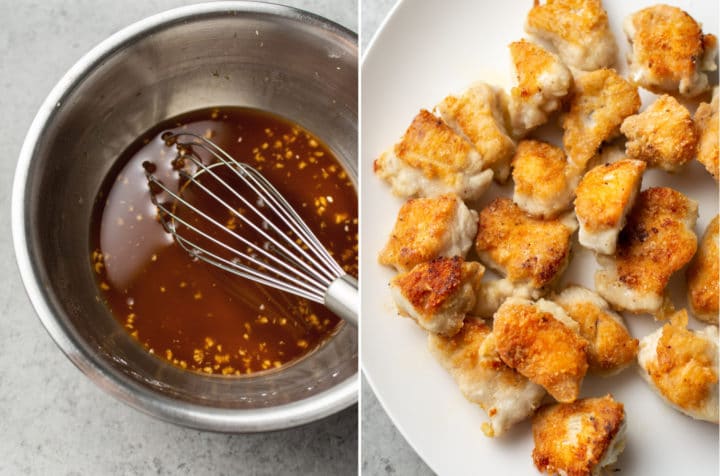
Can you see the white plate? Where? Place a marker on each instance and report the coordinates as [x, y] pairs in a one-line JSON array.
[[425, 51]]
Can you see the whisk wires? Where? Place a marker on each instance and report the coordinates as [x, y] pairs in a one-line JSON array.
[[290, 257]]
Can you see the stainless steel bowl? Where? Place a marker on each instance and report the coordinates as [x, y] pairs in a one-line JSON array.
[[233, 53]]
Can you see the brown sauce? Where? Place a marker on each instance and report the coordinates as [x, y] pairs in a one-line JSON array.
[[186, 311]]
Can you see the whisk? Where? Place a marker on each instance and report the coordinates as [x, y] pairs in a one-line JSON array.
[[289, 256]]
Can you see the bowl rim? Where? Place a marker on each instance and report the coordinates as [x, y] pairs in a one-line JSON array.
[[122, 387]]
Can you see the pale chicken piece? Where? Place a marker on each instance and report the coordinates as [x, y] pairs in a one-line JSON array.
[[668, 51], [611, 347], [604, 196], [492, 293], [541, 342], [431, 159], [657, 240], [438, 294], [601, 102], [471, 357], [702, 276], [578, 29], [663, 135], [706, 121], [544, 184], [480, 115], [427, 228], [527, 250], [682, 367], [579, 438], [542, 83]]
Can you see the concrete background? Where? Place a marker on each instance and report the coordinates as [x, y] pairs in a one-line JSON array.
[[384, 449], [54, 421]]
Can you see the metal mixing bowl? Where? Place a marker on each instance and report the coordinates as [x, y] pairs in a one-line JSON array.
[[235, 53]]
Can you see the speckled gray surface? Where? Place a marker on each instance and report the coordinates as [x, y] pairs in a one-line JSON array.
[[384, 449], [54, 421]]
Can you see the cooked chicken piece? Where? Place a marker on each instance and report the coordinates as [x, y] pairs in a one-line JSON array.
[[544, 184], [492, 293], [431, 159], [427, 228], [542, 82], [527, 250], [579, 438], [438, 294], [663, 135], [541, 342], [603, 198], [668, 51], [578, 29], [472, 359], [601, 102], [480, 115], [657, 241], [611, 348], [706, 121], [682, 366], [702, 276]]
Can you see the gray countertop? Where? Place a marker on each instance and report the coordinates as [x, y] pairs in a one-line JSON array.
[[53, 419], [384, 450]]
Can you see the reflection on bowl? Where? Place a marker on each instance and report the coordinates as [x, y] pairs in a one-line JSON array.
[[242, 53]]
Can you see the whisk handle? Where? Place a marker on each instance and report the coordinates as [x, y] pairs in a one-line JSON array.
[[342, 298]]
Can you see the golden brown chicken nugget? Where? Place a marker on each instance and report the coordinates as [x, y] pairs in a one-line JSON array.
[[682, 367], [611, 348], [702, 276], [480, 114], [578, 29], [543, 81], [657, 240], [706, 121], [544, 184], [663, 135], [430, 159], [601, 102], [604, 196], [427, 228], [579, 438], [541, 342], [525, 249], [669, 52], [438, 294]]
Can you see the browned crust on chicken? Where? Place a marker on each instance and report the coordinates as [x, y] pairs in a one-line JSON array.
[[541, 348], [569, 19], [702, 276], [419, 229], [706, 121], [539, 171], [683, 369], [429, 285], [669, 44], [601, 102], [663, 135], [432, 147], [526, 248], [558, 448], [529, 60], [441, 292], [604, 192], [655, 241], [579, 29], [481, 114], [611, 345]]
